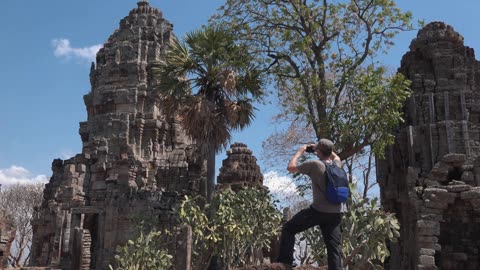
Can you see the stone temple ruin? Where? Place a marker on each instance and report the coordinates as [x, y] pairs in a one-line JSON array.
[[239, 169], [7, 235], [135, 162], [431, 176]]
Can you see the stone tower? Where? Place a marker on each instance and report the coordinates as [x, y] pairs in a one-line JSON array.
[[135, 161], [431, 175], [239, 169]]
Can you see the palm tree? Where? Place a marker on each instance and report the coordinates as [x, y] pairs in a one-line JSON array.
[[209, 83]]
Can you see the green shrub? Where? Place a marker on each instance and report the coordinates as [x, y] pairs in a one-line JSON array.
[[234, 226], [143, 253], [366, 231]]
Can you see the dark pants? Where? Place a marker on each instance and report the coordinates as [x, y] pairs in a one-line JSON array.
[[307, 218]]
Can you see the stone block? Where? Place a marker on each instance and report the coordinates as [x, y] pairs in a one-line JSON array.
[[81, 168], [99, 167], [423, 267], [436, 204], [473, 193], [456, 183], [426, 251], [439, 195], [468, 177], [426, 260], [75, 175], [439, 173], [68, 192], [112, 177], [423, 239], [426, 210], [431, 183], [99, 185], [454, 158], [429, 191], [426, 224], [71, 168], [458, 188], [428, 227], [432, 217]]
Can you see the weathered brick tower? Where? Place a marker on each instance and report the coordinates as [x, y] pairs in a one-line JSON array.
[[431, 175], [135, 161], [239, 169]]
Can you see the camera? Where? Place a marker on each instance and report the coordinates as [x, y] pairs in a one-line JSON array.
[[310, 149]]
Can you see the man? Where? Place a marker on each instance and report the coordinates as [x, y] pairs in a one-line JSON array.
[[323, 213]]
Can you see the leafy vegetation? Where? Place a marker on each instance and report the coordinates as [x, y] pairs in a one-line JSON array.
[[239, 226], [144, 253], [366, 231], [322, 57]]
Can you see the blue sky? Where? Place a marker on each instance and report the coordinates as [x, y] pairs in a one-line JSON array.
[[45, 49]]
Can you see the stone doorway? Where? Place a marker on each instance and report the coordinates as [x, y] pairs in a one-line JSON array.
[[90, 223], [85, 243]]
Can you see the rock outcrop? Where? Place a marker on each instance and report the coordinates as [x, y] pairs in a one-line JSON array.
[[431, 175], [135, 162]]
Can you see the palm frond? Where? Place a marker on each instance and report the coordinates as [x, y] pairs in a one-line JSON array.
[[201, 78], [203, 123], [239, 114], [172, 74], [228, 80], [250, 83]]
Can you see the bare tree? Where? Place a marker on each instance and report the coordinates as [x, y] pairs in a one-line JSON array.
[[19, 201], [361, 169]]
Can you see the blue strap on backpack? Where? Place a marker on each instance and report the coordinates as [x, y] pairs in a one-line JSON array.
[[337, 189]]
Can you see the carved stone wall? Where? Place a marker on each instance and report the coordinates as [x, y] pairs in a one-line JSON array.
[[7, 235], [431, 175], [135, 162], [239, 169]]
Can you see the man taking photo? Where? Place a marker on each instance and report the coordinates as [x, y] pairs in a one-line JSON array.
[[321, 212]]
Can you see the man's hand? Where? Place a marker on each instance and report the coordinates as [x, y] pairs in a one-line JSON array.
[[302, 149], [292, 165]]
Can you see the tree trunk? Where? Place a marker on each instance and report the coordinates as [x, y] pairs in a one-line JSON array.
[[213, 265], [210, 172]]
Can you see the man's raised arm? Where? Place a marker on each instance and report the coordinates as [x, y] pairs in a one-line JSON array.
[[292, 165], [334, 156]]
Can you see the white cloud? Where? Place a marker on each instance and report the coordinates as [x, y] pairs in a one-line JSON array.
[[16, 174], [278, 184], [283, 188], [63, 48]]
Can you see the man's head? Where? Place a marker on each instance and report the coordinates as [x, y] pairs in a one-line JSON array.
[[324, 148]]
